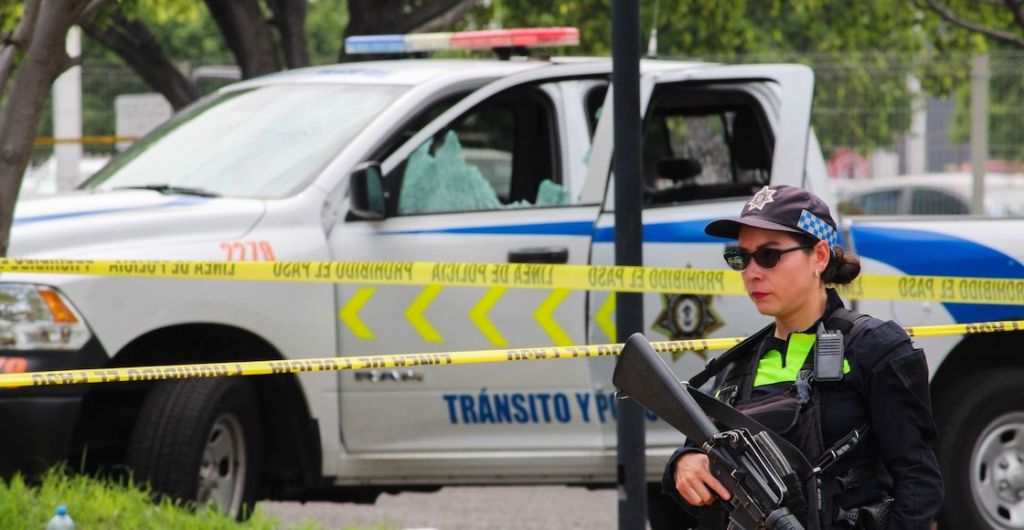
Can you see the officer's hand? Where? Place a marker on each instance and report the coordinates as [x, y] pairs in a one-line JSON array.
[[695, 482]]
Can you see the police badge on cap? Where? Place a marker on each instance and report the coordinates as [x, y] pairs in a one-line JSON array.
[[784, 208]]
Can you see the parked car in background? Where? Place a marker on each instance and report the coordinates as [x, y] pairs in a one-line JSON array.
[[930, 194]]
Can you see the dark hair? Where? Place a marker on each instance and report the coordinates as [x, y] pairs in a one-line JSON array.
[[842, 268]]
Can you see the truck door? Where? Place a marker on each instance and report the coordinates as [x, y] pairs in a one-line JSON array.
[[712, 137], [485, 181]]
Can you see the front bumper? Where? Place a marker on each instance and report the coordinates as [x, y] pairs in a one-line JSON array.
[[37, 424]]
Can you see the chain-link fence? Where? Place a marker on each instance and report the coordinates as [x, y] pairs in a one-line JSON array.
[[876, 115]]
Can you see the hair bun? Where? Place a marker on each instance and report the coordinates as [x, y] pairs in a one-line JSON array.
[[842, 268]]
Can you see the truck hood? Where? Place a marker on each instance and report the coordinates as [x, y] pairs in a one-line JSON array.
[[86, 224]]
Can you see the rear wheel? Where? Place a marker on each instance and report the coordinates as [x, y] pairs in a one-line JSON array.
[[981, 451], [199, 440]]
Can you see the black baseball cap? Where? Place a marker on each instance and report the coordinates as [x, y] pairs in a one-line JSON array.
[[784, 208]]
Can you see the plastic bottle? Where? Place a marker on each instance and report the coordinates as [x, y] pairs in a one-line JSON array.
[[61, 520]]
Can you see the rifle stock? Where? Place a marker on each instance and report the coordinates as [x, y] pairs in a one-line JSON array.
[[647, 378]]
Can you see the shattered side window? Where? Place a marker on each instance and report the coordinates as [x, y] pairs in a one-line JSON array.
[[447, 182], [444, 182], [702, 138], [551, 194], [501, 154]]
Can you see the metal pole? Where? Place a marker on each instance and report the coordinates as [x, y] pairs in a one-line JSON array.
[[629, 317], [979, 131], [67, 116], [917, 143]]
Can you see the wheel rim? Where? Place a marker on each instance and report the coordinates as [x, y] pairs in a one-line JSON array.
[[997, 471], [222, 470]]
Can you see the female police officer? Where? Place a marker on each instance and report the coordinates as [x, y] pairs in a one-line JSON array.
[[877, 408]]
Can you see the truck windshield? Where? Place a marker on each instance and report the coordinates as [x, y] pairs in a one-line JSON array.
[[264, 142]]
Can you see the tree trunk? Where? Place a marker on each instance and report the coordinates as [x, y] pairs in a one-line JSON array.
[[378, 17], [132, 41], [290, 21], [247, 34], [44, 60]]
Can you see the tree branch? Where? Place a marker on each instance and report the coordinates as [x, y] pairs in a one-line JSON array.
[[92, 7], [955, 19], [247, 34], [447, 19], [423, 15], [132, 41]]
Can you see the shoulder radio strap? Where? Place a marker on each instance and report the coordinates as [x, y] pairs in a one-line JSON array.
[[845, 320]]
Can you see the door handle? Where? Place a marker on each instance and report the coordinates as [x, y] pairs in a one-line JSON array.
[[539, 255]]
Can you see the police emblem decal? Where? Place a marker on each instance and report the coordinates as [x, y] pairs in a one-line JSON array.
[[686, 316], [763, 197]]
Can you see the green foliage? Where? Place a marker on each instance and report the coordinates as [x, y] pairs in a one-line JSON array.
[[863, 52], [325, 24], [10, 13], [105, 504], [1005, 115], [1006, 84], [99, 504]]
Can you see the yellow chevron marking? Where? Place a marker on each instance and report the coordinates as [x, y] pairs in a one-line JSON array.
[[414, 313], [605, 317], [349, 314], [544, 316], [479, 316]]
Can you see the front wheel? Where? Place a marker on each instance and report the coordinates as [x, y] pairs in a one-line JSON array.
[[981, 452], [199, 440]]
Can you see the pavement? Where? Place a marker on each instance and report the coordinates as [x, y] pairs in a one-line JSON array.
[[464, 508]]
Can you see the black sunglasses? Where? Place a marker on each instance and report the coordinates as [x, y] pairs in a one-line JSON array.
[[766, 258]]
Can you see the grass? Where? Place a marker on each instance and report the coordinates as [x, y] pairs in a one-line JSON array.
[[109, 505]]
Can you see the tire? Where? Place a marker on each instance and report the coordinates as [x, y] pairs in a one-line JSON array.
[[198, 441], [981, 451]]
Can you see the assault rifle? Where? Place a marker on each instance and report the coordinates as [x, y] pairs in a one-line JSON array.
[[750, 466]]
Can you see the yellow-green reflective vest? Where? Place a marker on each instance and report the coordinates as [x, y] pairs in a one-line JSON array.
[[771, 370]]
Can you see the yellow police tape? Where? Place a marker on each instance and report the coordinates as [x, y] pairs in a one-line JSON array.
[[407, 360], [84, 140], [523, 275]]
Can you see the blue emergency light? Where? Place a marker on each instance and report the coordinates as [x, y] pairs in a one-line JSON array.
[[463, 40]]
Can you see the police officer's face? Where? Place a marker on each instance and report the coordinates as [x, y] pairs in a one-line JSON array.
[[786, 287]]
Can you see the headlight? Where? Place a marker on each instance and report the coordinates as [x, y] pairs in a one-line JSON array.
[[36, 317]]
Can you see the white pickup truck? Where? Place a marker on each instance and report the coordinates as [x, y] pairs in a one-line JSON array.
[[483, 161]]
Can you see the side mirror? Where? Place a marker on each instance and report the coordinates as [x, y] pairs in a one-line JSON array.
[[367, 198]]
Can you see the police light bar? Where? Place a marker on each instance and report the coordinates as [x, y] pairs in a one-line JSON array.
[[463, 40]]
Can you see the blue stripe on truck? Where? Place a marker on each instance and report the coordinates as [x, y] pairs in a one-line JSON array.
[[921, 252], [691, 231], [568, 228], [183, 201]]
